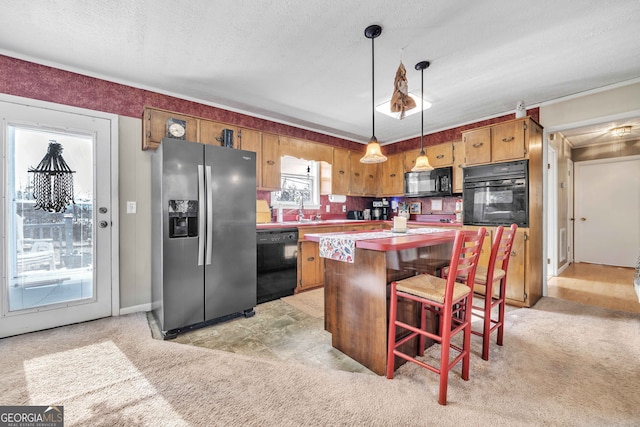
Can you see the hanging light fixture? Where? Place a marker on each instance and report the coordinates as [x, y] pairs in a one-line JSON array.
[[52, 181], [373, 153], [422, 162]]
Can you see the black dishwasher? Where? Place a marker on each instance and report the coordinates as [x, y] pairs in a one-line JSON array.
[[277, 263]]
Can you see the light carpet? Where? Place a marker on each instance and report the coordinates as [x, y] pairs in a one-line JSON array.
[[563, 364]]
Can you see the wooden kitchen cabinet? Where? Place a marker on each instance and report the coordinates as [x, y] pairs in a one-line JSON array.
[[154, 127], [310, 263], [440, 155], [508, 141], [392, 176], [477, 146], [211, 133], [356, 174], [519, 292], [501, 142], [265, 146], [458, 166], [270, 162], [340, 171], [410, 159]]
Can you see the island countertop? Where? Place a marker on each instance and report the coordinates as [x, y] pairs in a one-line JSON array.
[[395, 241]]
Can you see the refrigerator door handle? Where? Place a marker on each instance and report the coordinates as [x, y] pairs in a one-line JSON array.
[[201, 219], [209, 216]]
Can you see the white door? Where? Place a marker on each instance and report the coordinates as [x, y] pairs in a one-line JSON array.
[[56, 265], [569, 243], [607, 211]]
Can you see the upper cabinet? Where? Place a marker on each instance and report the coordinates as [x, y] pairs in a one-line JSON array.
[[458, 165], [392, 176], [477, 146], [266, 147], [440, 155], [500, 142], [340, 171], [211, 133], [410, 159], [157, 124], [508, 141]]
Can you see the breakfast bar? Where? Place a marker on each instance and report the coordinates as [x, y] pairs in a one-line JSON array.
[[359, 266]]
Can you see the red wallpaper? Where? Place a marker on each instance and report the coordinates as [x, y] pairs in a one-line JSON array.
[[30, 80]]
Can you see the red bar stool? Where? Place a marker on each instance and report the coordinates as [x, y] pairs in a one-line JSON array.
[[449, 300], [491, 282]]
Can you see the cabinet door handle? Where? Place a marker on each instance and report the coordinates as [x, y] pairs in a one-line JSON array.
[[508, 139], [357, 174], [311, 259], [478, 144], [271, 162], [341, 172], [392, 175], [513, 253], [440, 156]]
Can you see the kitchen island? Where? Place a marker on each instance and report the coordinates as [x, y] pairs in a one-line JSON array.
[[356, 294]]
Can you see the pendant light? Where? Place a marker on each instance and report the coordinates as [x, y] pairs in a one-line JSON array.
[[373, 153], [422, 162]]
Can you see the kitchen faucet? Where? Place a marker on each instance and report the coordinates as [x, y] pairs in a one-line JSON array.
[[300, 210]]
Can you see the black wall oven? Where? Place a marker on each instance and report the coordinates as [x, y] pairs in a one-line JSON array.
[[496, 194]]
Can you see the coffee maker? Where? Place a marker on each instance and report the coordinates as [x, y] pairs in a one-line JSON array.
[[380, 209]]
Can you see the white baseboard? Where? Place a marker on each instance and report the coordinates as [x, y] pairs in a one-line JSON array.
[[135, 309]]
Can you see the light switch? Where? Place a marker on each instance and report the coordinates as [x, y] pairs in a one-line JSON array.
[[131, 207], [344, 208], [328, 208]]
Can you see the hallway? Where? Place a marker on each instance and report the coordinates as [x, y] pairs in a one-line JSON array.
[[598, 285]]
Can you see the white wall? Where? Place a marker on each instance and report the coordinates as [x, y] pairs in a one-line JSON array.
[[135, 229]]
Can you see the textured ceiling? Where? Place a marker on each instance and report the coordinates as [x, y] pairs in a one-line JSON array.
[[308, 64]]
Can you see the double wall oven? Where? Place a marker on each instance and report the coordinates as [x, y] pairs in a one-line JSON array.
[[496, 194]]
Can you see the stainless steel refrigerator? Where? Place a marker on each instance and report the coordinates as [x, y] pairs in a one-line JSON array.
[[203, 226]]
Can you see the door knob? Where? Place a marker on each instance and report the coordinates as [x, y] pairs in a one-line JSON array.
[[103, 224], [583, 219]]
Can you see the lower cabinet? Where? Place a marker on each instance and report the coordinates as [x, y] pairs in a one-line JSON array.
[[310, 263], [519, 292]]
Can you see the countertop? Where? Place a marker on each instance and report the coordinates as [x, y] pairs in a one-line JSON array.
[[320, 223], [395, 243]]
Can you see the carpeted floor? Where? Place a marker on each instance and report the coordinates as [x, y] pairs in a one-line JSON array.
[[563, 364]]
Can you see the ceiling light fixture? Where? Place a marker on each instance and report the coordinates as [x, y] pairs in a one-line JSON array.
[[373, 153], [385, 107], [621, 131], [422, 162]]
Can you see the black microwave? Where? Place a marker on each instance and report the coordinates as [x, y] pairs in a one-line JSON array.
[[436, 182]]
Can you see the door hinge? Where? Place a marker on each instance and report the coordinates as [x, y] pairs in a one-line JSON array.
[[548, 165], [526, 236], [240, 134], [524, 125], [525, 296], [548, 260]]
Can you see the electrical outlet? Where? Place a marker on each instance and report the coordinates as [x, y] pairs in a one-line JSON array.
[[328, 208], [344, 208]]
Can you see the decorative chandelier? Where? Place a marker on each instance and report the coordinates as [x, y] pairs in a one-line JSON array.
[[52, 181]]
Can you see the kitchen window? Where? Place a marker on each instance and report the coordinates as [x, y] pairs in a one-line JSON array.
[[299, 179]]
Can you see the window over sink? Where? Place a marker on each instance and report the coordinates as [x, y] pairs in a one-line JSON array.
[[299, 179]]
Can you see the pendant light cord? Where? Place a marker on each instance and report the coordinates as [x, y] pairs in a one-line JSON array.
[[373, 98], [422, 110]]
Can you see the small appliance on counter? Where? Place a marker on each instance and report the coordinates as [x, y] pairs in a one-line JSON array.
[[380, 210], [355, 215]]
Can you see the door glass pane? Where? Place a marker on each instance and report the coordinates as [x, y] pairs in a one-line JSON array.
[[50, 254]]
